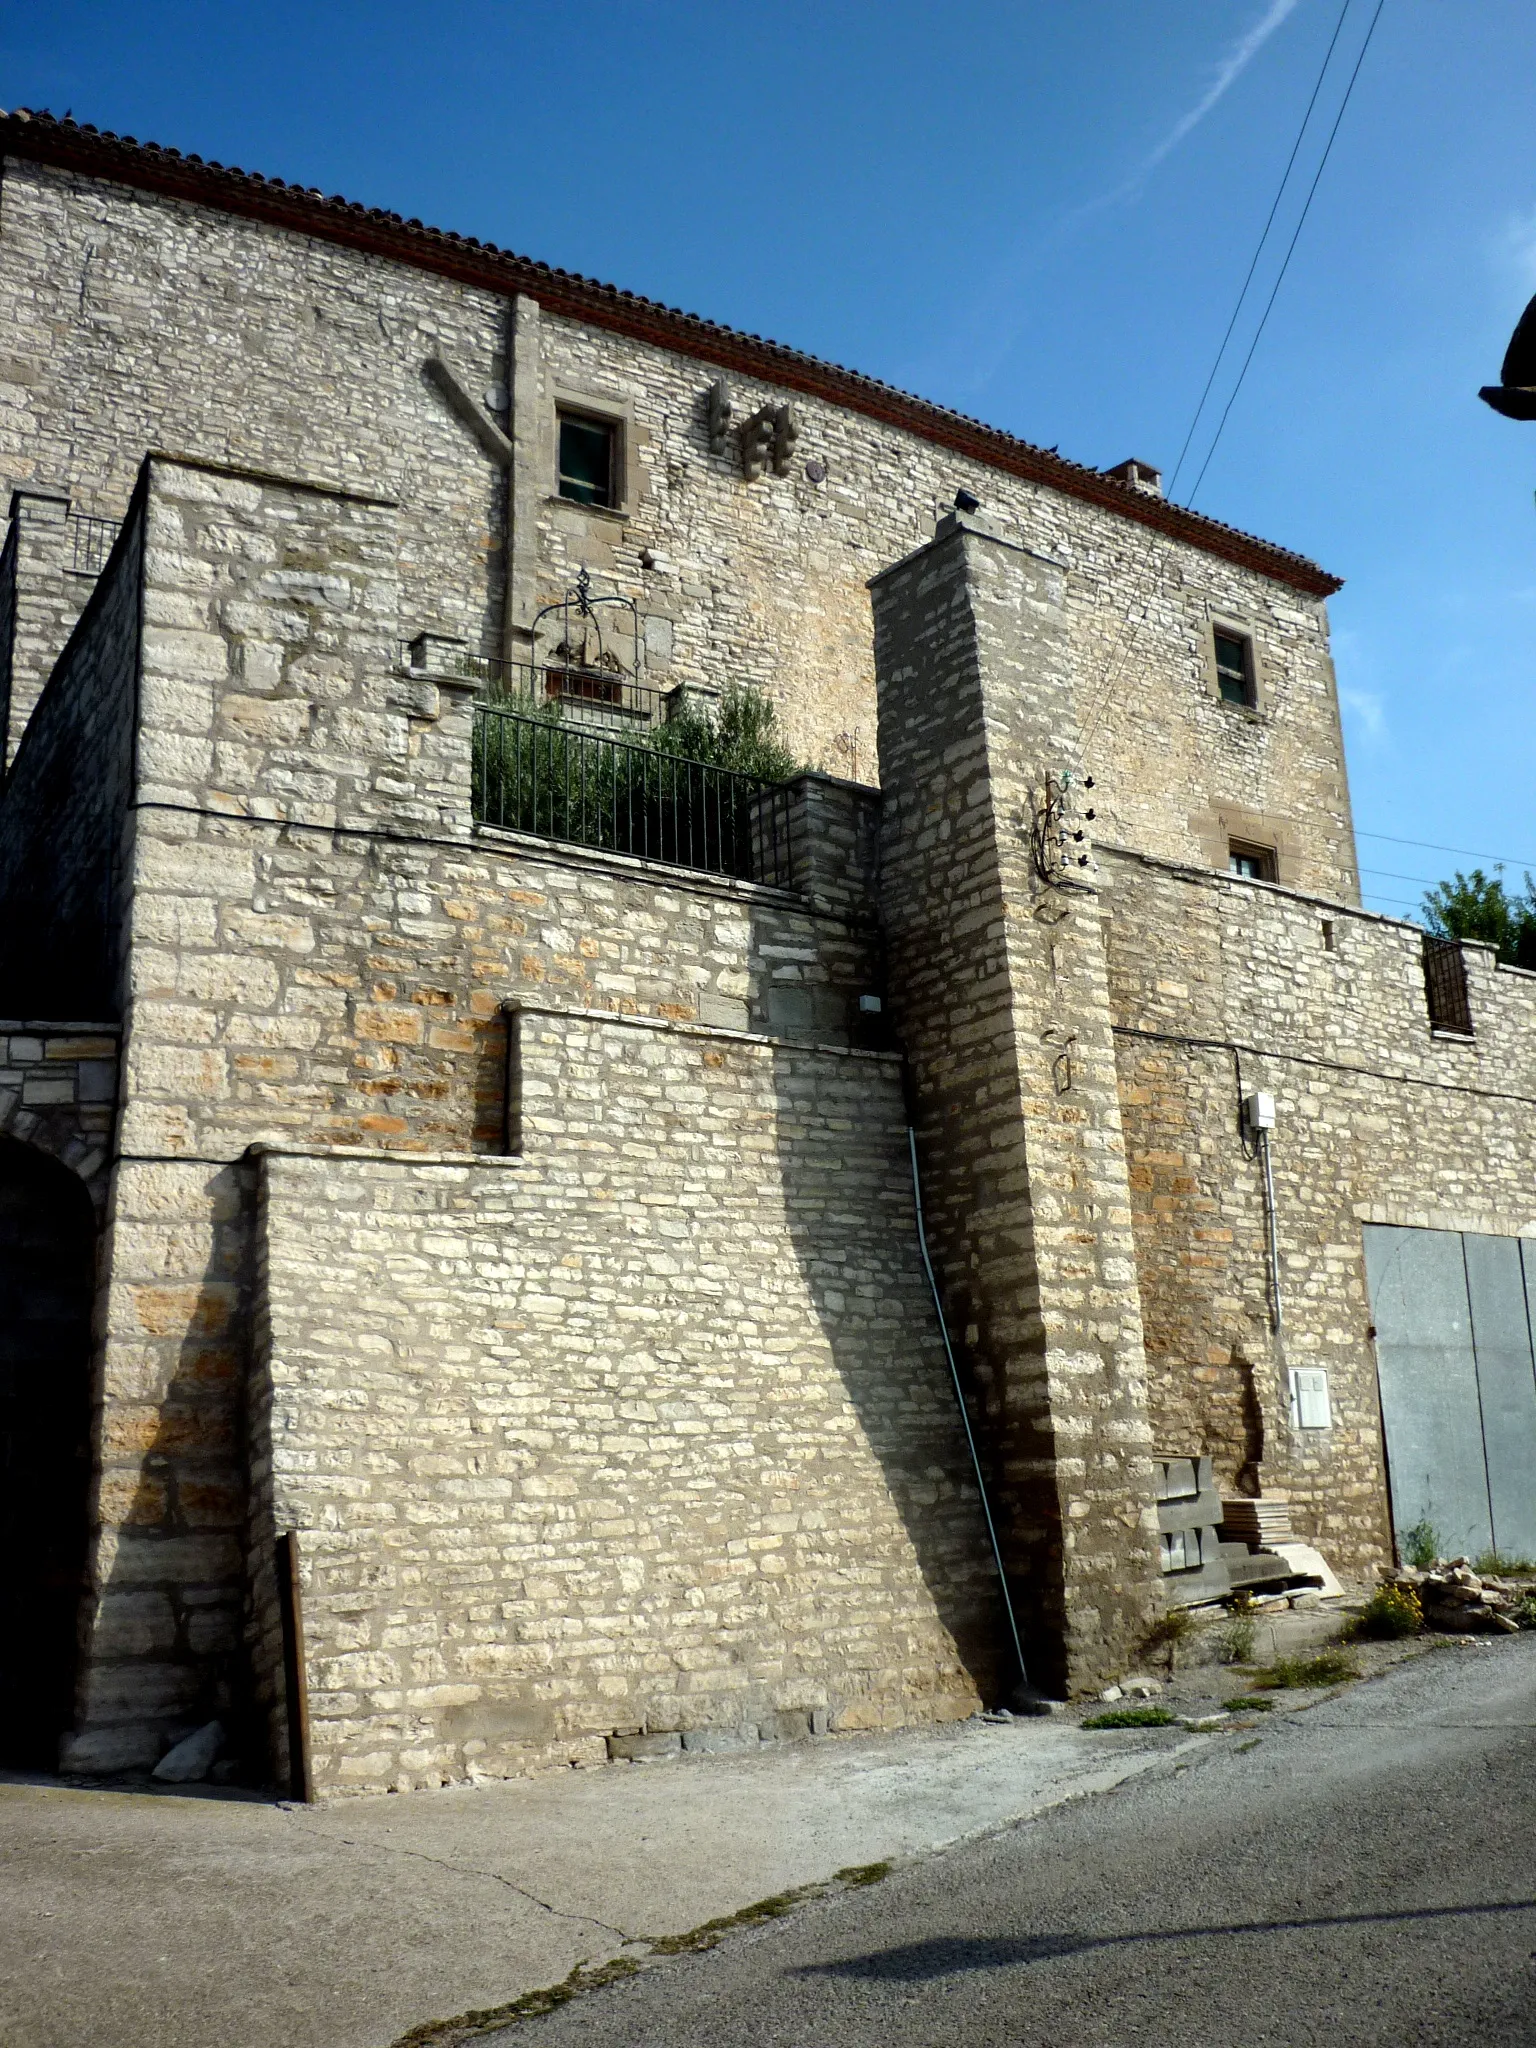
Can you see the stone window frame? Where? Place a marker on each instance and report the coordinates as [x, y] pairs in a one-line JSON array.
[[1244, 630], [1217, 830], [618, 413], [1266, 855]]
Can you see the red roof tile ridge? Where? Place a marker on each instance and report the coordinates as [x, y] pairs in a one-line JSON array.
[[78, 145]]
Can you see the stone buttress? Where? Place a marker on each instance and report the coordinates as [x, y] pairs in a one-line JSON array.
[[1000, 999]]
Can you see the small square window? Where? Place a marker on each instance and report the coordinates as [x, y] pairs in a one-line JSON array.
[[1253, 863], [1234, 668], [588, 460]]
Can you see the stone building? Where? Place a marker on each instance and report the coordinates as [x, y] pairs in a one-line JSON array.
[[504, 1189]]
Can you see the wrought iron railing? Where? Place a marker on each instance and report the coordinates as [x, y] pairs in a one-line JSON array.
[[537, 771], [93, 541], [1445, 986]]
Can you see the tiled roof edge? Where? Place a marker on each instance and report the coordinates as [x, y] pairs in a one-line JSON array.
[[70, 145]]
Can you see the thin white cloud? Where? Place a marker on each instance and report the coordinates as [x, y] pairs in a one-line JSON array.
[[1367, 710], [1228, 71], [993, 324], [1514, 247]]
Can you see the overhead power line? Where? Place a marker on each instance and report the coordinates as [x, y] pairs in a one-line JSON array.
[[1290, 165], [1290, 252], [1509, 860]]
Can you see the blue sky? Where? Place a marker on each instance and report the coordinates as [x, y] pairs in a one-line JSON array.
[[1040, 213]]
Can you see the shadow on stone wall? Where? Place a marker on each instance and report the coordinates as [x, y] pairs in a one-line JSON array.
[[1016, 1438], [167, 1650], [47, 1259], [843, 1166]]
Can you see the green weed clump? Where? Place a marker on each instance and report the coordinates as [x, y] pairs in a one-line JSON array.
[[1167, 1633], [1249, 1703], [1492, 1566], [1328, 1667], [1132, 1717], [1524, 1611], [1391, 1611], [1235, 1645], [1421, 1545]]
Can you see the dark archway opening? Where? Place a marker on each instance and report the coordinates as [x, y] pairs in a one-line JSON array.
[[47, 1280]]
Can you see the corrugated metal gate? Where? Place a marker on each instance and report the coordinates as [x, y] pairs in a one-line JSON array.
[[1454, 1316]]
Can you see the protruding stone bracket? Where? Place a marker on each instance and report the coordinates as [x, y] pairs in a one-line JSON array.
[[454, 392]]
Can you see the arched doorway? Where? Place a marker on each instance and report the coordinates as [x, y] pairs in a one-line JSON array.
[[47, 1278]]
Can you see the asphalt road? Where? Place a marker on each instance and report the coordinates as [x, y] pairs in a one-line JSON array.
[[1364, 1871]]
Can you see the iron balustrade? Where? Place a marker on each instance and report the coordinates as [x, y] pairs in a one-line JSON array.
[[536, 771], [93, 541]]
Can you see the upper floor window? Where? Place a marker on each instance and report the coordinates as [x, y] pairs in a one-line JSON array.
[[588, 459], [1253, 863], [1235, 672]]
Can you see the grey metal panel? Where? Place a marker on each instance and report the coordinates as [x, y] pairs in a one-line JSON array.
[[1429, 1401], [1506, 1380]]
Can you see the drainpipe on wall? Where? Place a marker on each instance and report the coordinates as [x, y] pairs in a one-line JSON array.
[[524, 399]]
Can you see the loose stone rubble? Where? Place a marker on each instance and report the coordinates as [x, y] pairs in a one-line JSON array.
[[1458, 1601]]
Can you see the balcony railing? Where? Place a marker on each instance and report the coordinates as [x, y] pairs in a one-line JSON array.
[[538, 769]]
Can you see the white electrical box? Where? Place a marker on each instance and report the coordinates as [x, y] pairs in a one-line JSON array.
[[1310, 1408], [1260, 1112]]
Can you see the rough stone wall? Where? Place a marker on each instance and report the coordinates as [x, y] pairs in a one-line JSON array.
[[321, 949], [648, 1429], [1223, 987], [64, 815], [1000, 1000], [58, 1090], [765, 583], [44, 597], [136, 322]]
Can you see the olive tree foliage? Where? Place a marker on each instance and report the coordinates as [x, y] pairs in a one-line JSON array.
[[1479, 906]]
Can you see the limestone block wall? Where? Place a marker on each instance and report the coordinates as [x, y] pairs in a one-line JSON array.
[[136, 322], [323, 942], [648, 1428], [320, 947], [1222, 987], [1000, 1000]]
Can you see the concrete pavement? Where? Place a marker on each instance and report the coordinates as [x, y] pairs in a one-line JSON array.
[[130, 1918], [1358, 1873]]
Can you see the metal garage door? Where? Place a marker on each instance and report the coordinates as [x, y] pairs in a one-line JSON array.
[[1453, 1317]]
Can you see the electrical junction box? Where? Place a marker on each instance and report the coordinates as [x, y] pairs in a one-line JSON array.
[[1260, 1112], [1310, 1408]]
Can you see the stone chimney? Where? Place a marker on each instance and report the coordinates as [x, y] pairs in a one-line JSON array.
[[1141, 476]]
